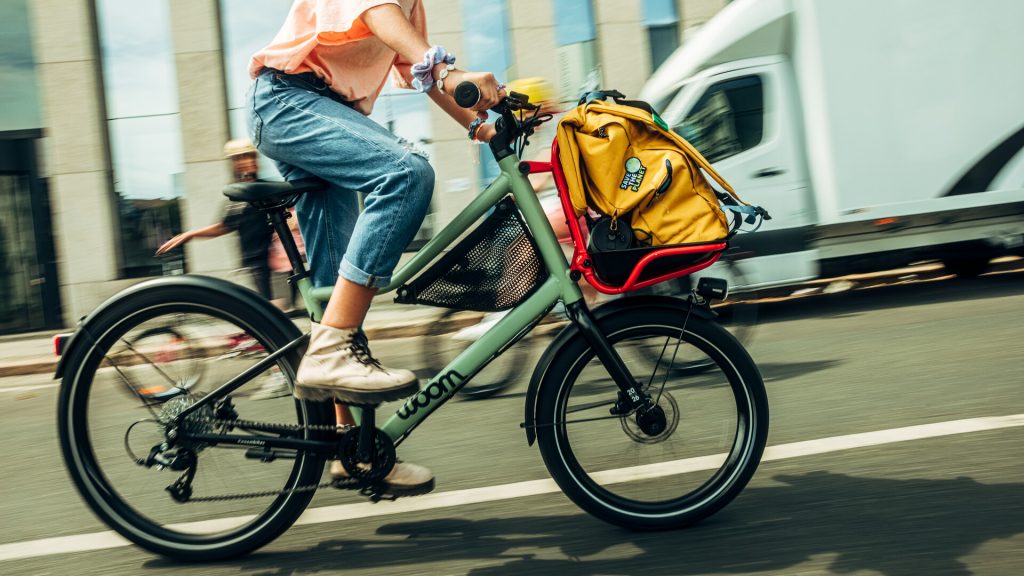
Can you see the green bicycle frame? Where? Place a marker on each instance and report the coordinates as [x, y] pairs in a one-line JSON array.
[[558, 286]]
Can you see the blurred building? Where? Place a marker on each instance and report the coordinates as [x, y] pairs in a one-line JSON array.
[[114, 113]]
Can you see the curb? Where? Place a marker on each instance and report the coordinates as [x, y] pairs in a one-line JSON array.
[[28, 368]]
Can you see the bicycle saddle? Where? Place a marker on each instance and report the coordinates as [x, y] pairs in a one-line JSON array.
[[262, 191]]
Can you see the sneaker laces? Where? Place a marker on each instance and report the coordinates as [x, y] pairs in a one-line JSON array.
[[361, 350]]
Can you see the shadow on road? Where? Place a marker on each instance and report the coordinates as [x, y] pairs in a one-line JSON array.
[[892, 527]]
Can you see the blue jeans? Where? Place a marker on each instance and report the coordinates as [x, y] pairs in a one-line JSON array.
[[298, 123]]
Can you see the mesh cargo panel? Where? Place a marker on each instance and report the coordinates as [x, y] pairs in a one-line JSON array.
[[495, 267]]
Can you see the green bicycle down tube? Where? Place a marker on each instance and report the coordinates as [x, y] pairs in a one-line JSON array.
[[443, 386]]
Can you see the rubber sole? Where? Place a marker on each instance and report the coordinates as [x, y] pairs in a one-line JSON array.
[[355, 396], [390, 489]]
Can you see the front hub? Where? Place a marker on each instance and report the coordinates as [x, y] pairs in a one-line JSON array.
[[651, 420]]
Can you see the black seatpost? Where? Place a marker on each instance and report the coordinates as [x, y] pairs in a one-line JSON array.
[[279, 220]]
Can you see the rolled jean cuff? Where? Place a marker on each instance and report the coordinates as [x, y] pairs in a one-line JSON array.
[[349, 272]]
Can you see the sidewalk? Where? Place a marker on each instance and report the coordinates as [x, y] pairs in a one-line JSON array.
[[33, 353]]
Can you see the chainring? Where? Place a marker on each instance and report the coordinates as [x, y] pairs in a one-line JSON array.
[[383, 460]]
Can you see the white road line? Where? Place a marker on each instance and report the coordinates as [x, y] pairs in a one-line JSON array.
[[109, 539]]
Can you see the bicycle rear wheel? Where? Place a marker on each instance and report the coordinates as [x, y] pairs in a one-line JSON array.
[[715, 422], [104, 432], [165, 345]]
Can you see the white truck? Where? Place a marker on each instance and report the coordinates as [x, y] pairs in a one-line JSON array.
[[877, 133]]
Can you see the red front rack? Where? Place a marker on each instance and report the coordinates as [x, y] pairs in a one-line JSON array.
[[584, 263]]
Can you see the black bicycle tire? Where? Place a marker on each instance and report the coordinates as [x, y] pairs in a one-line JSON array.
[[632, 514], [81, 462]]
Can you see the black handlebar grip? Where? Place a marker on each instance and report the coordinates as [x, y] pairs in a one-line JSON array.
[[466, 94]]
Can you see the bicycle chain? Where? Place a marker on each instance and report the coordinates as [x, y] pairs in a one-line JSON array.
[[275, 427], [270, 426]]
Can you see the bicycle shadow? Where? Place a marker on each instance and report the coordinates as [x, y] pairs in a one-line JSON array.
[[891, 527]]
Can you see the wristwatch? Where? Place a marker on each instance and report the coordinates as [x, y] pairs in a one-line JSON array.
[[442, 75]]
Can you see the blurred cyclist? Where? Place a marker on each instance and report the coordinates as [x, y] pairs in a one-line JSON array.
[[254, 235]]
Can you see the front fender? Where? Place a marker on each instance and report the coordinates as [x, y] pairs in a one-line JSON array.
[[83, 334], [670, 304]]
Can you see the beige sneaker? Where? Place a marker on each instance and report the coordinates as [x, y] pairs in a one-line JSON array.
[[405, 479], [338, 365]]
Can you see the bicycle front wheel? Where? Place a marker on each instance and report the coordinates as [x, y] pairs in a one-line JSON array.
[[714, 423], [239, 500]]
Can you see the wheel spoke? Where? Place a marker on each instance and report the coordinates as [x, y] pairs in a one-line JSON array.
[[142, 342], [669, 463]]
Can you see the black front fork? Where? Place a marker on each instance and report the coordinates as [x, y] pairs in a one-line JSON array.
[[630, 396]]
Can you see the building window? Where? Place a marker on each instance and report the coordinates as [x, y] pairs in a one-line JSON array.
[[728, 118], [141, 92], [19, 99], [662, 23], [246, 27], [487, 49], [575, 35]]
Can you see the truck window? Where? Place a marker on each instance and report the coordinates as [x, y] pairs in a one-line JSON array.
[[728, 118]]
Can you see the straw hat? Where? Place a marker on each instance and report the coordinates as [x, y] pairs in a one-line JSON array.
[[238, 147]]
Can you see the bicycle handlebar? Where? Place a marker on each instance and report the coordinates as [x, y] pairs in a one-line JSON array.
[[466, 94], [508, 129]]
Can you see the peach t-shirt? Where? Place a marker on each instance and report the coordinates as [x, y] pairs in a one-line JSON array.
[[329, 38]]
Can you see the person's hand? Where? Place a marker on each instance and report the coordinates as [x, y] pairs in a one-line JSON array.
[[490, 94], [174, 243], [485, 132]]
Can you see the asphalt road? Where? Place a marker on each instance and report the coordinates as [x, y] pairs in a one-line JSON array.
[[949, 502]]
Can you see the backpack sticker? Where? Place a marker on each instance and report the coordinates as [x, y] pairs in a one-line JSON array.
[[635, 171]]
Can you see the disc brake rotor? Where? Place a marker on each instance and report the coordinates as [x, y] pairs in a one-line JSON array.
[[667, 404]]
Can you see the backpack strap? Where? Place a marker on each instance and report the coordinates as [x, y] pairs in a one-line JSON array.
[[744, 213], [619, 98]]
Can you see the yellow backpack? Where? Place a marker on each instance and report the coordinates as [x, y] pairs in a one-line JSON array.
[[620, 159]]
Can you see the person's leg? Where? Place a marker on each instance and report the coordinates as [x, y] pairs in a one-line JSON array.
[[261, 278], [316, 135], [311, 135]]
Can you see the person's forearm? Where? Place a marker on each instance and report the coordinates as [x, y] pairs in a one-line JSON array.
[[463, 116], [211, 231], [390, 25]]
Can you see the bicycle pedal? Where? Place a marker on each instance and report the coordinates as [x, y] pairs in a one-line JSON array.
[[376, 493]]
